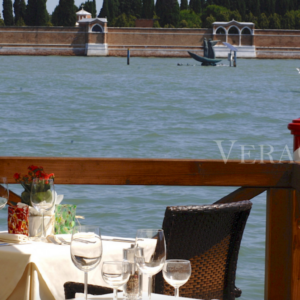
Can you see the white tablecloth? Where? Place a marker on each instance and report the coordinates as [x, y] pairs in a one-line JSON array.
[[39, 270]]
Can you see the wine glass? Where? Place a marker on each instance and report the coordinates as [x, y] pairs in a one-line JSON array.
[[176, 273], [86, 249], [42, 197], [150, 261], [115, 274], [4, 192]]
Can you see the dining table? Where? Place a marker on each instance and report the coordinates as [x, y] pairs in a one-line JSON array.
[[37, 270]]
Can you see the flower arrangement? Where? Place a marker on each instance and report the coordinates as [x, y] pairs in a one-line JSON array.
[[26, 180]]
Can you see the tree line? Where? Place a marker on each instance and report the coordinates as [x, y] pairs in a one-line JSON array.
[[274, 14]]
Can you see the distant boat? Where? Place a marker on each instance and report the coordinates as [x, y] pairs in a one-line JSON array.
[[204, 60]]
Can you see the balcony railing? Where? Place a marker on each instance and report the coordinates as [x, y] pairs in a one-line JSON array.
[[280, 180]]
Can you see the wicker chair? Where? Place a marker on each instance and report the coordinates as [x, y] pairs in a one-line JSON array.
[[209, 236]]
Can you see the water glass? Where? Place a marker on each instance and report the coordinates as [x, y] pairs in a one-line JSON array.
[[176, 273], [150, 261], [115, 274], [86, 250]]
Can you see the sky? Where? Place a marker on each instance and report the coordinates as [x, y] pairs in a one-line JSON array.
[[51, 4]]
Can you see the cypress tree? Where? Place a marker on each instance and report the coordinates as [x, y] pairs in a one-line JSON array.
[[104, 12], [94, 11], [7, 13], [30, 13], [195, 5], [148, 9], [65, 14], [158, 7], [170, 13], [17, 8], [131, 7], [41, 13], [183, 5], [114, 8]]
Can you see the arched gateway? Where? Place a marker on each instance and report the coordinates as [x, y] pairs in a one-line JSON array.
[[238, 34]]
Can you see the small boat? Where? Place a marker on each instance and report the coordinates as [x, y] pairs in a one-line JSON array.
[[204, 60]]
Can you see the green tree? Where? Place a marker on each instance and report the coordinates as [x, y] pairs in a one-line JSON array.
[[189, 19], [42, 16], [209, 21], [263, 21], [64, 13], [251, 18], [124, 21], [7, 13], [104, 12], [170, 13], [297, 19], [196, 6], [183, 5], [275, 21], [90, 6], [131, 7], [289, 20], [2, 22], [148, 9]]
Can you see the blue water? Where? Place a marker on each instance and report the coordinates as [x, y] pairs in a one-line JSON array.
[[100, 107]]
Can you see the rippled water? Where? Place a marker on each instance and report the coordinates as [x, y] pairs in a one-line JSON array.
[[100, 107]]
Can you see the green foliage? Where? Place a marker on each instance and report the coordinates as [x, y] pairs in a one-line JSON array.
[[253, 19], [19, 11], [169, 13], [89, 6], [235, 15], [183, 4], [263, 21], [64, 13], [189, 19], [131, 7], [124, 21], [297, 19], [2, 22], [20, 22], [275, 21], [104, 12], [148, 9], [209, 21], [196, 6], [289, 20], [7, 13], [36, 13]]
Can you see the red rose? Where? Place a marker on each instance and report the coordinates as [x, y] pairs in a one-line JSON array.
[[17, 176]]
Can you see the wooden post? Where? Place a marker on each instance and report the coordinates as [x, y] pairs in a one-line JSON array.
[[282, 276], [128, 56]]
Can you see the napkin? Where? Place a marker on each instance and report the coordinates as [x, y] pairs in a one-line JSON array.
[[83, 235], [13, 238]]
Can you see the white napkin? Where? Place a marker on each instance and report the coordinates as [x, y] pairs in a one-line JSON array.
[[34, 212], [13, 238], [80, 235]]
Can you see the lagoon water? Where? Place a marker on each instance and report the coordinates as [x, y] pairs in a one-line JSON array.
[[101, 107]]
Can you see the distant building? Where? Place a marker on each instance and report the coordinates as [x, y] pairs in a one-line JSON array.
[[82, 14], [148, 23]]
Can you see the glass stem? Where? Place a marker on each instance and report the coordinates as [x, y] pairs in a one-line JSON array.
[[176, 292], [43, 230], [149, 286], [115, 294], [85, 285]]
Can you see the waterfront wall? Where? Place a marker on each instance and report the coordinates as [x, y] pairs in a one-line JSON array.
[[157, 42]]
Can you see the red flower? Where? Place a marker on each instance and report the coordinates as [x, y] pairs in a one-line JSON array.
[[17, 176]]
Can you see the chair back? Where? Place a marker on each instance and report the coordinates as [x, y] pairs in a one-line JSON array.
[[210, 237]]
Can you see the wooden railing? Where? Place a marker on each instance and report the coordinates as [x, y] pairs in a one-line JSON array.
[[280, 180]]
